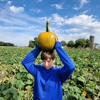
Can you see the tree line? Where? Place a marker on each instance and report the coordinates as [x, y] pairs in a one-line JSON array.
[[6, 44], [79, 43]]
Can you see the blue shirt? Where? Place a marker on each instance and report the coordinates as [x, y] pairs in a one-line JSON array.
[[48, 83]]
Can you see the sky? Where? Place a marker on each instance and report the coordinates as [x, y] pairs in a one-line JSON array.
[[23, 20]]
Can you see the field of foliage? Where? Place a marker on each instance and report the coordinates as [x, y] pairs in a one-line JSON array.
[[17, 84]]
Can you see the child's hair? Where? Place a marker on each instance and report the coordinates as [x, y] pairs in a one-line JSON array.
[[47, 55]]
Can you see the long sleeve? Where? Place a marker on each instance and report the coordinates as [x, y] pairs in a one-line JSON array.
[[28, 61], [68, 68]]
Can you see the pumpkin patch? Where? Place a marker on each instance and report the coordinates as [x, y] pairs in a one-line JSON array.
[[17, 84]]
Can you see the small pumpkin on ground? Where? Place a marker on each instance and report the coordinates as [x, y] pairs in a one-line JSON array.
[[46, 40]]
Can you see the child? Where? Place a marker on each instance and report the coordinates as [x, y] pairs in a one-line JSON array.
[[48, 77]]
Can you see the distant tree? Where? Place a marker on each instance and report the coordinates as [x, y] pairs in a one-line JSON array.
[[1, 43], [70, 43], [88, 43], [35, 40], [64, 43], [6, 44], [80, 43], [32, 43]]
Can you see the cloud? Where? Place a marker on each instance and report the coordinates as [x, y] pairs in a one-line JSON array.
[[19, 28], [9, 2], [78, 20], [17, 39], [39, 0], [75, 21], [75, 8], [82, 3], [20, 36], [25, 31], [84, 12], [35, 10], [57, 19], [58, 6], [80, 26], [16, 9]]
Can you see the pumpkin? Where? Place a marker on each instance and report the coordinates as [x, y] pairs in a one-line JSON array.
[[46, 40], [88, 99]]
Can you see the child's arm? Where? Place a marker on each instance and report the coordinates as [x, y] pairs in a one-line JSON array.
[[68, 68], [28, 61]]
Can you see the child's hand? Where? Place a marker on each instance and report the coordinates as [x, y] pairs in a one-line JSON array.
[[58, 39], [58, 42]]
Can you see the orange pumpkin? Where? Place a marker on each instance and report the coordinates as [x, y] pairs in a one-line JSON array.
[[46, 40], [88, 99], [84, 93]]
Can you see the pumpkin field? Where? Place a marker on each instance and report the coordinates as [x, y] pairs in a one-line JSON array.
[[17, 84]]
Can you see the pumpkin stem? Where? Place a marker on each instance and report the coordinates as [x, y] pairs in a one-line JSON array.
[[47, 26]]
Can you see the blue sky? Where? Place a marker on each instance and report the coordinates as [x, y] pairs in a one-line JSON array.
[[22, 20]]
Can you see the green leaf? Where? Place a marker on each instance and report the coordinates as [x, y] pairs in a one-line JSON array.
[[81, 97], [2, 87], [13, 80], [12, 90], [28, 88], [7, 96], [15, 96], [19, 84], [29, 82], [21, 93], [1, 98], [74, 89], [29, 76], [82, 79], [6, 92], [97, 74], [18, 76]]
